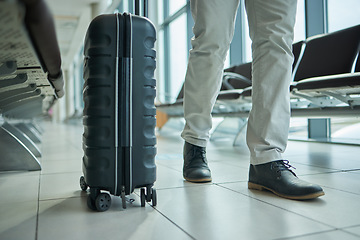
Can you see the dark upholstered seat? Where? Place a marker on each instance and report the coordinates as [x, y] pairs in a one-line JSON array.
[[327, 69]]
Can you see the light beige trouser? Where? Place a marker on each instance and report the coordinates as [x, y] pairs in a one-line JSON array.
[[271, 24]]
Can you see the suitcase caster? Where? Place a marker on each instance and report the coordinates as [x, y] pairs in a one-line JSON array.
[[103, 202], [150, 196], [154, 197], [123, 199], [142, 197], [98, 201], [91, 203], [83, 184]]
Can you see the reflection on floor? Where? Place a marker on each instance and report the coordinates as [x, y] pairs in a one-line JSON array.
[[49, 204]]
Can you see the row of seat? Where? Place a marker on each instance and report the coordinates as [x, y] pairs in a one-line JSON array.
[[326, 80], [31, 79]]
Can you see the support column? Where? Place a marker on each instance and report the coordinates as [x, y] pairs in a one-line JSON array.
[[316, 23]]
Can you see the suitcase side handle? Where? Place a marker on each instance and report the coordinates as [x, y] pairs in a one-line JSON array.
[[145, 8]]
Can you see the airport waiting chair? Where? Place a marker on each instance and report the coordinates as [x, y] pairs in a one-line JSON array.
[[31, 78], [327, 81]]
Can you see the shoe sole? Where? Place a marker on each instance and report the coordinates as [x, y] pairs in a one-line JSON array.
[[255, 186], [203, 180]]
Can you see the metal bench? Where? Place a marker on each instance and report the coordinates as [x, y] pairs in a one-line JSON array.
[[31, 79]]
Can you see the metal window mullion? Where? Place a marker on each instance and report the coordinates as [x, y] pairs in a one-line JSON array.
[[165, 27], [237, 47], [316, 23], [131, 6], [190, 24], [316, 17], [168, 19]]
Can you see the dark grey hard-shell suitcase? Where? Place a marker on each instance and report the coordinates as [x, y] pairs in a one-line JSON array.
[[119, 121]]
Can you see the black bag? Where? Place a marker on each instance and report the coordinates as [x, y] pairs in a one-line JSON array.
[[119, 113]]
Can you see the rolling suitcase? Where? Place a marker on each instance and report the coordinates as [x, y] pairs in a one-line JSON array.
[[119, 121]]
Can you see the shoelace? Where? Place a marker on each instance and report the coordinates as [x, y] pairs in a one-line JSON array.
[[282, 165], [199, 153]]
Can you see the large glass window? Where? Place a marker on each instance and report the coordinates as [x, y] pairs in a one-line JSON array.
[[343, 14], [247, 40], [160, 11], [299, 28], [176, 5], [124, 6], [178, 54], [173, 48], [160, 69]]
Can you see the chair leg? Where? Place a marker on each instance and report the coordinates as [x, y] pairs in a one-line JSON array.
[[228, 127], [240, 139], [23, 138], [29, 131], [15, 156]]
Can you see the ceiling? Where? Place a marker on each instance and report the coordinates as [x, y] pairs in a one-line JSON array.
[[72, 18]]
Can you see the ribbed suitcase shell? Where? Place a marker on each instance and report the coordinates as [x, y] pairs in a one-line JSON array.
[[119, 121]]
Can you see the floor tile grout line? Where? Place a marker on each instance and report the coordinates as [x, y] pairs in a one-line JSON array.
[[317, 166], [337, 189], [341, 171], [354, 234], [332, 172], [325, 224], [352, 226], [175, 224], [58, 173], [308, 234], [314, 174], [60, 198], [179, 187], [38, 209], [230, 182], [171, 221], [345, 229], [351, 170]]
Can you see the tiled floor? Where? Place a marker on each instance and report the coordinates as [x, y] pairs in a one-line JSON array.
[[49, 204]]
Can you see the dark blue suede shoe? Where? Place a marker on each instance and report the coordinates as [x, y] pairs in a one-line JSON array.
[[278, 178], [195, 164]]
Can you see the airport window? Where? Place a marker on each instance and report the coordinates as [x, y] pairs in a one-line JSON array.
[[175, 6], [160, 11], [343, 14], [299, 28], [178, 54], [173, 48], [246, 37]]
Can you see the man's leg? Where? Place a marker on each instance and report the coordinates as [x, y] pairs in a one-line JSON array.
[[271, 26], [213, 30]]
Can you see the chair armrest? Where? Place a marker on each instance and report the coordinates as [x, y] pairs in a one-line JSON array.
[[234, 76]]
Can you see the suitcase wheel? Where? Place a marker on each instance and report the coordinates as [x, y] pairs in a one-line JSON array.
[[98, 201], [123, 199], [142, 197], [83, 184], [103, 202], [91, 203], [154, 197], [150, 196]]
